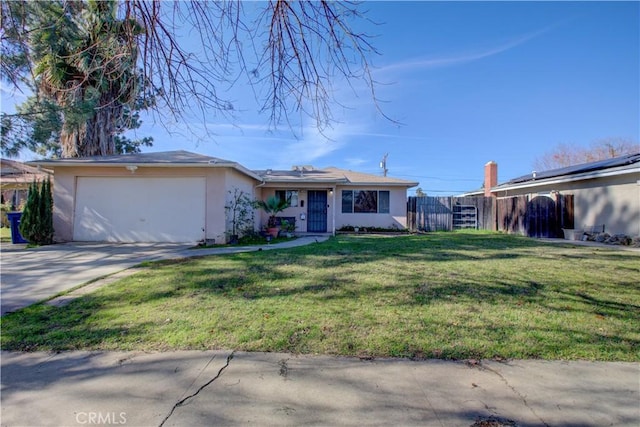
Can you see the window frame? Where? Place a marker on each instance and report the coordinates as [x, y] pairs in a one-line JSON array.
[[288, 194], [349, 198]]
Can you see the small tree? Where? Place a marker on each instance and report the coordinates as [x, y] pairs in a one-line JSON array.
[[46, 212], [239, 212], [28, 223], [36, 223], [272, 206]]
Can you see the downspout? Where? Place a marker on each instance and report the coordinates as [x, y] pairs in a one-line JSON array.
[[258, 216]]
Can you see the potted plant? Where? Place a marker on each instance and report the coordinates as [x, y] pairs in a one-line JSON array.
[[288, 227], [272, 206]]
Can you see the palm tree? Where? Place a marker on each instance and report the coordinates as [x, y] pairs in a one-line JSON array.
[[86, 63], [272, 206]]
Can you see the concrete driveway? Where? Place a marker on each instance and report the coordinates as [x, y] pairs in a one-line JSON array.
[[31, 275]]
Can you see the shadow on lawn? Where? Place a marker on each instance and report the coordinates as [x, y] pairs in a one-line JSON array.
[[327, 277]]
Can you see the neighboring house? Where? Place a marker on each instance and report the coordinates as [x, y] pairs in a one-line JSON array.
[[179, 196], [15, 178], [606, 192]]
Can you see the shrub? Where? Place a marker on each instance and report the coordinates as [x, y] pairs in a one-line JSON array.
[[36, 224]]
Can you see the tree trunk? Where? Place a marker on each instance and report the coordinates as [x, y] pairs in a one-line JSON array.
[[93, 138]]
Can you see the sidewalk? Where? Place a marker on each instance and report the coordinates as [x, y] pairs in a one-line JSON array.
[[214, 388], [181, 253], [590, 244], [36, 274]]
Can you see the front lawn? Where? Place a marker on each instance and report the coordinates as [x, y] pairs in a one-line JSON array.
[[442, 295], [5, 235]]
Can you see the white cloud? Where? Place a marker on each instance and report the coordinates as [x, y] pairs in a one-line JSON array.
[[462, 58]]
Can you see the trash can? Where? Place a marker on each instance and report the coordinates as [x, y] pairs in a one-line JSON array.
[[14, 221]]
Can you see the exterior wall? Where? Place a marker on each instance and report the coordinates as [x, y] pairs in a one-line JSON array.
[[218, 182], [233, 180], [397, 216], [298, 212], [613, 201]]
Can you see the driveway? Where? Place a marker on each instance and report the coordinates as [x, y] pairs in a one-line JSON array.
[[31, 275]]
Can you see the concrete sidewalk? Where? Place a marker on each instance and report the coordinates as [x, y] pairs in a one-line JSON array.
[[210, 388]]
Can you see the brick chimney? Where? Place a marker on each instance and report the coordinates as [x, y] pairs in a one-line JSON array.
[[490, 177]]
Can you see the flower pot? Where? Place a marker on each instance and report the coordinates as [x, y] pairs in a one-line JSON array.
[[273, 232]]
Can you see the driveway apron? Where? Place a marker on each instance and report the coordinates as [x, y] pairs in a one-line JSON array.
[[31, 275]]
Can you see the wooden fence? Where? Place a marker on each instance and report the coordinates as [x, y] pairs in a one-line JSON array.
[[534, 216], [437, 213]]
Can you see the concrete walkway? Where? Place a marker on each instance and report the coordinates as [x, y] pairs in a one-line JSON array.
[[220, 388], [32, 275]]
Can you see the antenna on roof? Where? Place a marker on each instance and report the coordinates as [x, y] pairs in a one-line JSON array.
[[383, 164]]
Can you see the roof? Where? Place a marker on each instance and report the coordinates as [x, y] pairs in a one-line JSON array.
[[18, 174], [298, 175], [581, 168], [614, 166], [330, 175], [179, 158]]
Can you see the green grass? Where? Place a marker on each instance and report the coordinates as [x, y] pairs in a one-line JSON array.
[[442, 295], [5, 235]]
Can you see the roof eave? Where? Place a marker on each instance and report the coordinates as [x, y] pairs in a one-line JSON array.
[[384, 184], [565, 179], [233, 165]]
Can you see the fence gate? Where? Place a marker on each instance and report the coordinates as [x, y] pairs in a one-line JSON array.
[[541, 217], [528, 215]]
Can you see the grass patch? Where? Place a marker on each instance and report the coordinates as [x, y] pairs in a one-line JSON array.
[[5, 234], [248, 241], [444, 295]]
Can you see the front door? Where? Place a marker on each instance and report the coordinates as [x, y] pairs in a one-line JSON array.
[[317, 211]]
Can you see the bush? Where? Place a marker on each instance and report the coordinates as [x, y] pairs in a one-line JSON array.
[[4, 219], [36, 224]]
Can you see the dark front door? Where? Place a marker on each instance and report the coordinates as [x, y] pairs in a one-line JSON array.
[[317, 211]]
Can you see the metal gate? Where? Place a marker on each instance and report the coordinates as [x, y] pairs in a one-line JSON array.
[[465, 216], [317, 211]]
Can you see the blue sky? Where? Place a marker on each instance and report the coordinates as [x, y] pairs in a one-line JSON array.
[[469, 81]]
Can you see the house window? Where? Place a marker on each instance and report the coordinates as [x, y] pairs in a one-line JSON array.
[[365, 201], [347, 201], [290, 196], [383, 202]]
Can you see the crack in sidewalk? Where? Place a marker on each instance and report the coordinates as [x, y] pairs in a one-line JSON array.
[[479, 365], [182, 401]]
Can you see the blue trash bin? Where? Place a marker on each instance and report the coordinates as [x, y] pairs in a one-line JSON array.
[[14, 220]]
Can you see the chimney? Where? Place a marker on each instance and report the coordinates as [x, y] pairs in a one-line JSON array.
[[490, 177]]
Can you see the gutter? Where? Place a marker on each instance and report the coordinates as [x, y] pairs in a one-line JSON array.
[[232, 165]]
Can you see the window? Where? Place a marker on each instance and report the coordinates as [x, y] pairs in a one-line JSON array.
[[365, 201], [347, 201], [289, 195], [383, 202]]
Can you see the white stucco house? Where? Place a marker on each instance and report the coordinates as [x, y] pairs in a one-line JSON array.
[[179, 196]]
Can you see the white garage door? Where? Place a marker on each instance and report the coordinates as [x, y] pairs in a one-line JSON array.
[[139, 209]]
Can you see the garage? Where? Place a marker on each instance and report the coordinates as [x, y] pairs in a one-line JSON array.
[[139, 209]]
